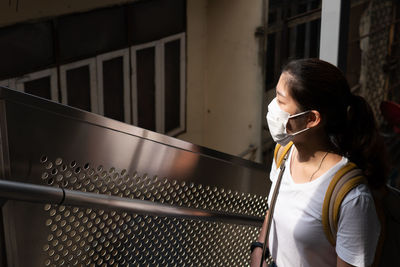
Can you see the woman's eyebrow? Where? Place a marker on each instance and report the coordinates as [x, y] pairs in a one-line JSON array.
[[280, 93]]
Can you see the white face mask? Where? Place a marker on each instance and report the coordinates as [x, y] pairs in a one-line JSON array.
[[277, 120]]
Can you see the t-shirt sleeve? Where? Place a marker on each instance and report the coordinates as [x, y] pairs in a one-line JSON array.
[[358, 228], [273, 174], [272, 177]]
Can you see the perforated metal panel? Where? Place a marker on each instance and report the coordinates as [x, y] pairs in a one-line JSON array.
[[101, 238], [98, 179], [85, 236], [48, 144]]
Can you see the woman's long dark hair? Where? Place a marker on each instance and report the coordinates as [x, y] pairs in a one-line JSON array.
[[347, 118]]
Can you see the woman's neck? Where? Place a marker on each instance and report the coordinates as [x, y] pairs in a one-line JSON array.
[[311, 159], [309, 150]]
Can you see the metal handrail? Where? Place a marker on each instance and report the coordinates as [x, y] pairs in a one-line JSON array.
[[51, 195]]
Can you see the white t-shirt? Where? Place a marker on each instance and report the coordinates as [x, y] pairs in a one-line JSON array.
[[297, 237]]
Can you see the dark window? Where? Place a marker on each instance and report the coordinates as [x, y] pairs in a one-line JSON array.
[[89, 34], [315, 37], [172, 85], [145, 70], [154, 20], [78, 87], [300, 40], [294, 32], [25, 48], [39, 87], [113, 88], [270, 60]]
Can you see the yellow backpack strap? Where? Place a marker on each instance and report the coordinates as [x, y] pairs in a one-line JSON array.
[[347, 178], [280, 152]]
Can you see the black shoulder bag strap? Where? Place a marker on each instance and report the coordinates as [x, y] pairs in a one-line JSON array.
[[272, 207]]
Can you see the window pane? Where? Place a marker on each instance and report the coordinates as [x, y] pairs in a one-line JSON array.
[[24, 48], [88, 34], [39, 87], [172, 85], [146, 88], [78, 86], [300, 40], [314, 37], [270, 61], [153, 20], [113, 88]]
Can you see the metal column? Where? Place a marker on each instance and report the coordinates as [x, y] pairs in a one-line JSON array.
[[334, 31]]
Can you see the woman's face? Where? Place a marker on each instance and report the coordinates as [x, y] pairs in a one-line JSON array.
[[288, 104], [283, 97]]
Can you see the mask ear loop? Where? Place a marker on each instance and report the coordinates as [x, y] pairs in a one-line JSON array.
[[294, 116], [298, 114], [299, 132]]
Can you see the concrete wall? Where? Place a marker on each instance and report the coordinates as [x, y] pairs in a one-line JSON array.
[[224, 84], [196, 57], [224, 72]]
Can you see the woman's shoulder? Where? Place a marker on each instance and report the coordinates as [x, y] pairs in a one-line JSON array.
[[334, 159], [334, 164], [359, 196]]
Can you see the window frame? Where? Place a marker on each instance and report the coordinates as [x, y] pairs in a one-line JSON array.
[[124, 53], [9, 83], [91, 62], [159, 47], [19, 82], [182, 85], [134, 100]]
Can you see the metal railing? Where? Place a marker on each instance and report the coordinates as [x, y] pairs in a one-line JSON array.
[[60, 196]]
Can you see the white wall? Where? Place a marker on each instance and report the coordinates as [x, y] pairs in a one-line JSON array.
[[221, 40]]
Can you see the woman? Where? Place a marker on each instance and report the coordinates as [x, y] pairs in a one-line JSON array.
[[329, 126]]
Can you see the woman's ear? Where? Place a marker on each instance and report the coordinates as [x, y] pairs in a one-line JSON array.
[[313, 119]]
